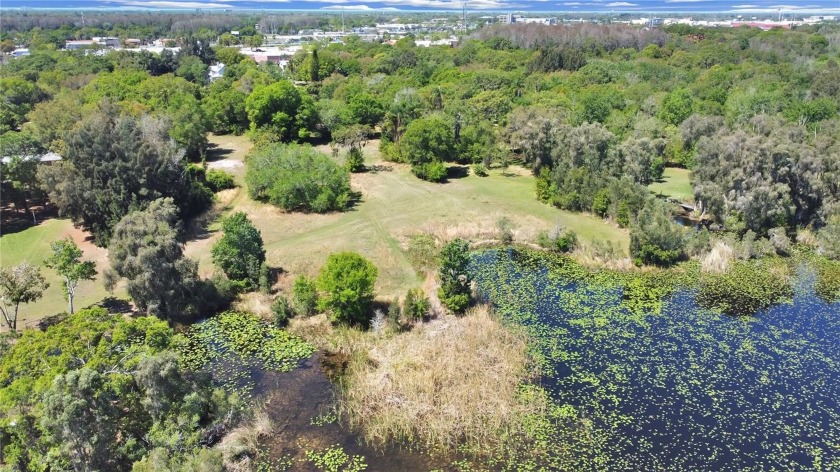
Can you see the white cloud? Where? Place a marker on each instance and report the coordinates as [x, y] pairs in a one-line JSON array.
[[572, 4], [622, 4], [172, 4], [744, 6], [684, 1]]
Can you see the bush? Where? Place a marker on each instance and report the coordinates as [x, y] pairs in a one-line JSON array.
[[654, 237], [558, 240], [355, 160], [346, 283], [504, 230], [297, 178], [304, 296], [455, 282], [240, 253], [431, 171], [282, 310], [416, 305], [394, 312], [480, 170], [218, 180], [829, 238]]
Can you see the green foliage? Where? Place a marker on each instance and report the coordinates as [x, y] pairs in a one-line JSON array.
[[416, 305], [429, 139], [455, 281], [558, 240], [654, 237], [744, 289], [19, 285], [827, 285], [116, 164], [218, 180], [480, 170], [829, 238], [297, 178], [346, 283], [66, 260], [100, 391], [148, 242], [431, 171], [240, 252], [282, 311], [304, 296], [281, 110], [676, 107], [355, 160]]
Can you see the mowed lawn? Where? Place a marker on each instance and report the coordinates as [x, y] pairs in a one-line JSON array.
[[675, 183], [393, 206], [33, 245]]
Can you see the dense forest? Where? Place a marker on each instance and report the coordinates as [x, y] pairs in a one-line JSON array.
[[596, 113]]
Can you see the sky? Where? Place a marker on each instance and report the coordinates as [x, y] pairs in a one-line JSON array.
[[751, 7]]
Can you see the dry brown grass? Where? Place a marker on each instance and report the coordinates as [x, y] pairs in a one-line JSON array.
[[807, 237], [241, 445], [718, 259], [445, 383]]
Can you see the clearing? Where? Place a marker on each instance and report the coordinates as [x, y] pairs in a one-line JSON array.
[[675, 183], [394, 205]]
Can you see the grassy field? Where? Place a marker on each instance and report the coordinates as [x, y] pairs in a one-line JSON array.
[[675, 183], [33, 245], [395, 205]]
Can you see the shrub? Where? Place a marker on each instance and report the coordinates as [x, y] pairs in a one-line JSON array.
[[297, 178], [654, 237], [431, 171], [240, 253], [304, 296], [394, 312], [416, 305], [504, 229], [455, 282], [480, 170], [346, 283], [829, 238], [355, 160], [558, 240], [219, 180], [282, 310]]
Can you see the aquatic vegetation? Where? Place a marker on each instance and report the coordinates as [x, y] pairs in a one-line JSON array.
[[334, 459], [745, 288], [236, 346], [827, 286], [671, 385]]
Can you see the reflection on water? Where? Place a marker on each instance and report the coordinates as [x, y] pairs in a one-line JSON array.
[[682, 388]]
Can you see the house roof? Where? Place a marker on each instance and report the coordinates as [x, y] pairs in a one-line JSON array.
[[48, 157]]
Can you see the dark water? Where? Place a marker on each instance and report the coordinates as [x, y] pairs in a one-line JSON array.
[[676, 387]]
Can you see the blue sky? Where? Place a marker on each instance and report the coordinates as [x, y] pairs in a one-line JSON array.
[[604, 6]]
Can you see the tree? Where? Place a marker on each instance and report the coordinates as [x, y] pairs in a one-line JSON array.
[[20, 284], [677, 106], [366, 109], [282, 110], [146, 251], [346, 283], [654, 237], [829, 238], [116, 164], [314, 67], [192, 69], [297, 178], [455, 281], [304, 296], [240, 252], [66, 260]]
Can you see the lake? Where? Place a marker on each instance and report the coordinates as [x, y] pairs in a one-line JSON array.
[[668, 385]]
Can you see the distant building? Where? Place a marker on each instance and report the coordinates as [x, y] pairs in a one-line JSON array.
[[47, 158], [20, 52], [279, 56], [72, 45], [510, 18], [132, 42], [217, 72]]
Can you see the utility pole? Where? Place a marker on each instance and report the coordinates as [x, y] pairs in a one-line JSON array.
[[342, 19], [465, 18]]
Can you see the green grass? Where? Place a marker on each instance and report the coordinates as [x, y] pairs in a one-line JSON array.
[[395, 205], [33, 245], [675, 183]]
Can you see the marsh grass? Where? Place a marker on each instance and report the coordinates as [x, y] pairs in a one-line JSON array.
[[719, 259], [240, 448], [451, 383]]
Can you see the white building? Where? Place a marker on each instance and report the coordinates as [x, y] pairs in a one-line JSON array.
[[510, 18], [217, 72]]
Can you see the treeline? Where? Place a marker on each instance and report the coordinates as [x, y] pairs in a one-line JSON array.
[[586, 36]]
